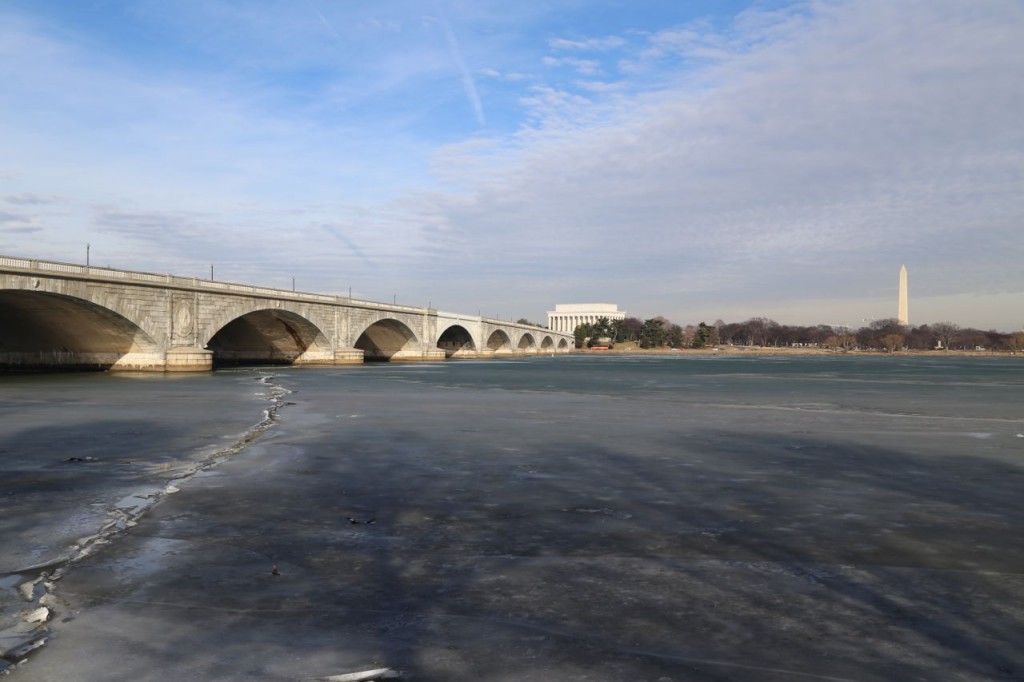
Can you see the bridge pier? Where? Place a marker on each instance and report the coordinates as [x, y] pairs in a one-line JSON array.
[[185, 359], [139, 362], [49, 360], [317, 357], [425, 355], [348, 356], [434, 354]]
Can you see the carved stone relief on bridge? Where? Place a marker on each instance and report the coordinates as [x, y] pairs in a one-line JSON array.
[[182, 320]]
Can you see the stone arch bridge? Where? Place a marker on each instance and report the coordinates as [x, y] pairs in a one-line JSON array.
[[60, 315]]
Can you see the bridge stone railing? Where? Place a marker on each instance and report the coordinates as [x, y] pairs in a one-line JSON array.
[[196, 283]]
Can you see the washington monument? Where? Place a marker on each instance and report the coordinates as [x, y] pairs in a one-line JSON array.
[[902, 314]]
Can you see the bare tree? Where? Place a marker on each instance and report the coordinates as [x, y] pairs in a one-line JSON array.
[[945, 333], [921, 338], [892, 342], [971, 339]]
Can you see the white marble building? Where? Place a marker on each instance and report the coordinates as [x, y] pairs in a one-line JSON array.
[[567, 316]]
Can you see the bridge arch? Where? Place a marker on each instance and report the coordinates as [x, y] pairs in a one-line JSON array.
[[563, 344], [388, 339], [527, 344], [457, 341], [547, 344], [270, 336], [41, 329], [499, 342]]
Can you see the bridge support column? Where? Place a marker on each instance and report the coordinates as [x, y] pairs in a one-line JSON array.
[[434, 354], [348, 356], [140, 362], [322, 357], [425, 355], [185, 359]]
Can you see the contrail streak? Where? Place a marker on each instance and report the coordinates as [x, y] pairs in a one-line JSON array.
[[467, 78], [340, 236], [324, 21]]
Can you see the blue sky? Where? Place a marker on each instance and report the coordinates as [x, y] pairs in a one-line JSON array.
[[697, 160]]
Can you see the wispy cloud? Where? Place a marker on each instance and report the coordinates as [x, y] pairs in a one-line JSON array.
[[170, 232], [588, 67], [508, 76], [17, 223], [589, 44], [32, 199], [694, 41]]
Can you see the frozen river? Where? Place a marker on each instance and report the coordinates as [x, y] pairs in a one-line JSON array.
[[601, 518]]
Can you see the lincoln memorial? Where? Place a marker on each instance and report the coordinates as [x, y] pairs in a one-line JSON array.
[[567, 316]]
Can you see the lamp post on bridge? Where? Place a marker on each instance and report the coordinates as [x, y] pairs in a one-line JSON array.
[[87, 247]]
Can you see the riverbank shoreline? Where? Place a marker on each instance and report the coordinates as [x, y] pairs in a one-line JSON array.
[[788, 351]]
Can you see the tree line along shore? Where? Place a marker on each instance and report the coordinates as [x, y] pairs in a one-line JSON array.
[[768, 336]]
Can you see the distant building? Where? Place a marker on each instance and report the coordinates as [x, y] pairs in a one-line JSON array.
[[567, 316]]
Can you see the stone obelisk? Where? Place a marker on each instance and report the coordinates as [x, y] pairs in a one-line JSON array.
[[903, 314]]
